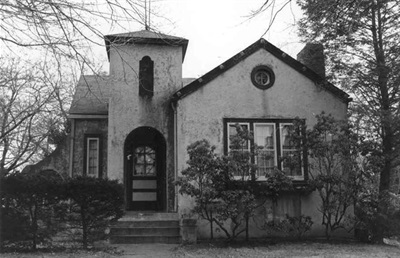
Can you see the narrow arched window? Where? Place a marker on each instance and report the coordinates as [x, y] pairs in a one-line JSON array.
[[146, 77]]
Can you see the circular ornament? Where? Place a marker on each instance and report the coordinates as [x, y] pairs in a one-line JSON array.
[[262, 77]]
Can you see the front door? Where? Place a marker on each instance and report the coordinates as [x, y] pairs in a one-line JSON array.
[[145, 170]]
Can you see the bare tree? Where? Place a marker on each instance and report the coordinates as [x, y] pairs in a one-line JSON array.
[[64, 27], [58, 34], [272, 9], [30, 109]]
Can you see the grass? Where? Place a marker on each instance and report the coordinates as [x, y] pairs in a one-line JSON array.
[[299, 249], [222, 250]]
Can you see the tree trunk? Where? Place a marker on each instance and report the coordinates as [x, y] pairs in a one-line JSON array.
[[247, 228], [84, 229], [211, 226]]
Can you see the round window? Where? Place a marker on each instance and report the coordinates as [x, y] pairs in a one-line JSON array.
[[262, 77]]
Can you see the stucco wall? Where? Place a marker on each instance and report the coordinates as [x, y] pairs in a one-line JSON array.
[[127, 110], [232, 95]]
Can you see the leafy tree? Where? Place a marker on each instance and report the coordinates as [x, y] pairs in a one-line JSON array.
[[197, 181], [95, 203], [332, 151], [361, 42], [361, 46]]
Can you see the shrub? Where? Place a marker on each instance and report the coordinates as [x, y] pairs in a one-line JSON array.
[[218, 196], [95, 202], [28, 202], [290, 226], [371, 223]]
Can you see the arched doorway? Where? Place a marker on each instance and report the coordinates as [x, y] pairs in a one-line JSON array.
[[145, 180]]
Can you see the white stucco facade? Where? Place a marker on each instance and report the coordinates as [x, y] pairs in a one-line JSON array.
[[177, 115], [127, 110], [232, 94]]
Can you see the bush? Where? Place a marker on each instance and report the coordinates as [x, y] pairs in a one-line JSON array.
[[218, 196], [37, 205], [95, 203], [290, 226], [372, 223], [28, 202]]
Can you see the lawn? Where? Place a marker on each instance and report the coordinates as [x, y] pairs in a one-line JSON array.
[[304, 249]]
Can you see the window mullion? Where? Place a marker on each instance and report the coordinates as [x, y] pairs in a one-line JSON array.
[[252, 145], [278, 145]]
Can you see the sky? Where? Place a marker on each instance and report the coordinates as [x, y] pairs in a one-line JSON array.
[[219, 29]]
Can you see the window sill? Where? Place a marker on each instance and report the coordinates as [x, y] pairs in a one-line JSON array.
[[299, 186], [302, 186]]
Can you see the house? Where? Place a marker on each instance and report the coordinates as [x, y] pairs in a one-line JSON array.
[[134, 125]]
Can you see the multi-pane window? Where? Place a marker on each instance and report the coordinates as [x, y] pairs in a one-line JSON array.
[[273, 145], [265, 142], [144, 161], [291, 154], [92, 156], [234, 146]]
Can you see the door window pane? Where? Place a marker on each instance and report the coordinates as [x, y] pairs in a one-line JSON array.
[[144, 162]]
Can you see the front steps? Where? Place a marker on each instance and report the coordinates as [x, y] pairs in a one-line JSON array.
[[146, 227]]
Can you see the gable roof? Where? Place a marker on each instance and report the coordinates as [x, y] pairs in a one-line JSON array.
[[260, 44], [91, 96], [145, 37]]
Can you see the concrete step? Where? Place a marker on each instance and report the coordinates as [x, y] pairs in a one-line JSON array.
[[148, 216], [138, 231], [146, 224], [127, 239], [146, 227]]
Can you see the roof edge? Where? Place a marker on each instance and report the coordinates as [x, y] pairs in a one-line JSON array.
[[131, 40], [87, 116], [261, 43]]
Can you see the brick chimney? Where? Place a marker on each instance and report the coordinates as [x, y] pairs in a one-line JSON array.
[[312, 55]]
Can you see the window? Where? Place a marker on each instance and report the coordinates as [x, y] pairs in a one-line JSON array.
[[146, 77], [274, 145], [264, 140], [245, 146], [144, 161], [291, 154], [262, 77], [92, 156]]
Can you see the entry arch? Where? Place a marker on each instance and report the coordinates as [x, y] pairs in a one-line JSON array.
[[144, 169]]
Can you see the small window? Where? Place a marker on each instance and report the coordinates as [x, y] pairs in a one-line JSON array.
[[92, 156], [146, 77], [262, 77]]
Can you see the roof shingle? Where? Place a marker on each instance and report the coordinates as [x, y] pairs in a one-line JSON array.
[[91, 96]]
